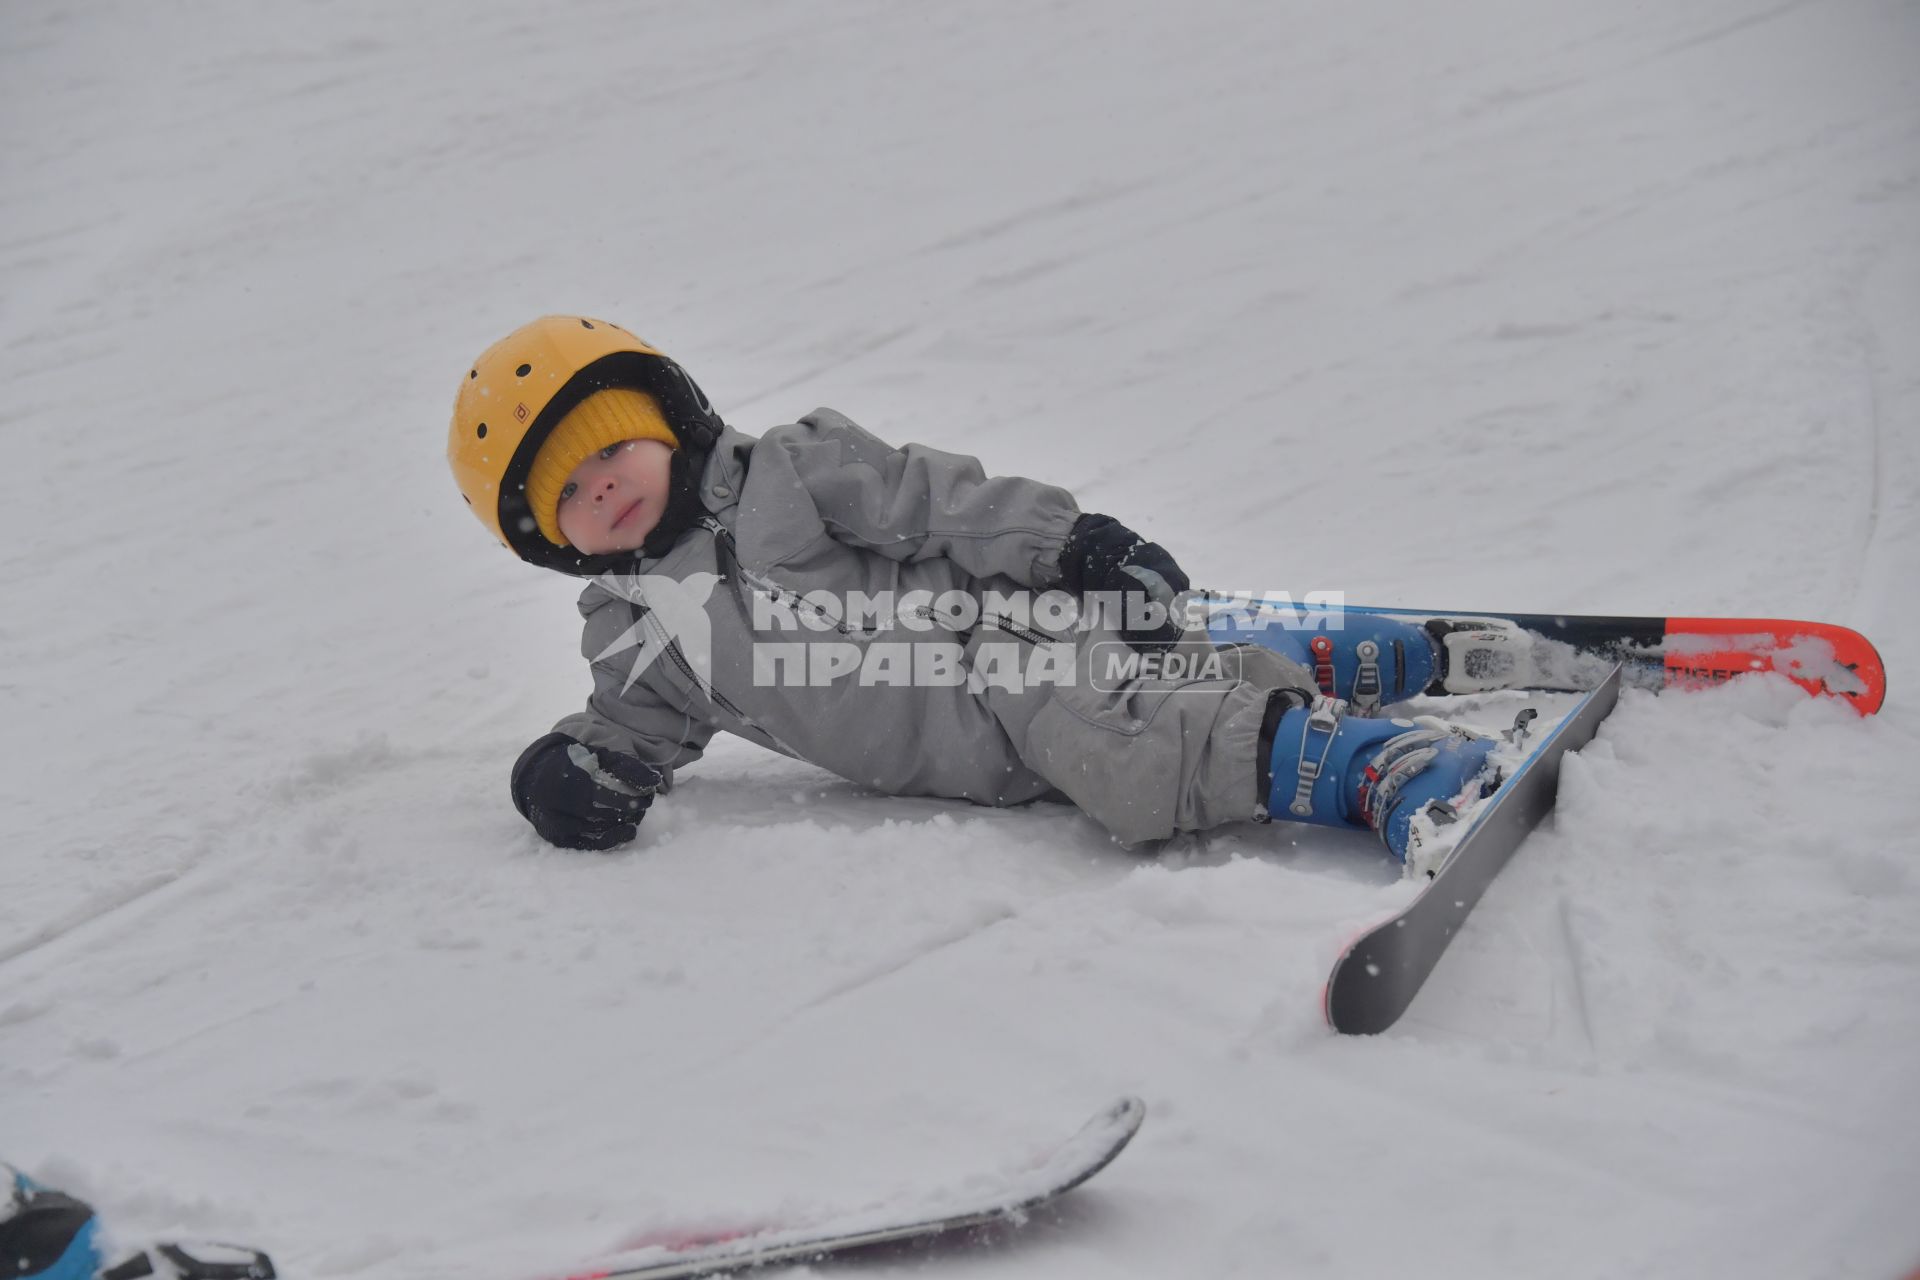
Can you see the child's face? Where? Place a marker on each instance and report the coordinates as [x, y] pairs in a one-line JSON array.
[[613, 499]]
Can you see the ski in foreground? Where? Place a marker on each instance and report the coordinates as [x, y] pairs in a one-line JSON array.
[[1379, 973], [1005, 1198]]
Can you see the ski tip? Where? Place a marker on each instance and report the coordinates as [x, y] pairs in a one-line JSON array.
[[1117, 1123], [1823, 659], [1099, 1141], [1347, 947]]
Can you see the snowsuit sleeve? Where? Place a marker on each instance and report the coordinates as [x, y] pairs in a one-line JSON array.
[[639, 721], [916, 503]]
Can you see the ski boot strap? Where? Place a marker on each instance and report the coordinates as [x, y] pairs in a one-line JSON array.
[[1279, 702], [200, 1261], [1316, 735]]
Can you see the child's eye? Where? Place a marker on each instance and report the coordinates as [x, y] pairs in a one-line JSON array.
[[567, 490], [610, 450]]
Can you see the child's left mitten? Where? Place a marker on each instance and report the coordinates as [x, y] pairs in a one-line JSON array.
[[1103, 556]]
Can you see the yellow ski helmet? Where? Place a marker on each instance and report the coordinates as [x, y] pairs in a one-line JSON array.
[[517, 392]]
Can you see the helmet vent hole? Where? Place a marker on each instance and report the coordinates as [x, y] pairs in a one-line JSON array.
[[586, 324], [473, 373], [523, 371], [469, 500], [481, 431]]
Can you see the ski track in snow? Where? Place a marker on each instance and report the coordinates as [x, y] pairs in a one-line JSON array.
[[1490, 305]]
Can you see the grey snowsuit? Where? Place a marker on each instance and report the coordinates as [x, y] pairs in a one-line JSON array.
[[823, 506]]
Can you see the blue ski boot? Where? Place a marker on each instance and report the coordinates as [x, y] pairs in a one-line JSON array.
[[1370, 662], [1326, 767], [50, 1235], [45, 1234]]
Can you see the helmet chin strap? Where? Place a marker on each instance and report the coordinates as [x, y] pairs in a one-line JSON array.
[[683, 506]]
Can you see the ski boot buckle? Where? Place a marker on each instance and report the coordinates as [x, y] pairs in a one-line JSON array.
[[1322, 717]]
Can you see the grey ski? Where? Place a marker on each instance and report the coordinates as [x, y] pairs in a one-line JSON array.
[[1380, 972]]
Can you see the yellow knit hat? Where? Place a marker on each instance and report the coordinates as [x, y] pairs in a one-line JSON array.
[[603, 418]]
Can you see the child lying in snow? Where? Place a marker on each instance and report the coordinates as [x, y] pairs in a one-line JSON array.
[[891, 614]]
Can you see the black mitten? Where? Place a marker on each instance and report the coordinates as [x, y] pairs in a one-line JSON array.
[[1103, 555], [580, 798]]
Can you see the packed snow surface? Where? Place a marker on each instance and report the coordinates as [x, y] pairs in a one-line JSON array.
[[1575, 307]]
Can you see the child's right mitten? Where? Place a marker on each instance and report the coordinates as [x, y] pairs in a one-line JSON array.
[[581, 798]]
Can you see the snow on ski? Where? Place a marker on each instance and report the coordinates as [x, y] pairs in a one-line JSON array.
[[663, 1255]]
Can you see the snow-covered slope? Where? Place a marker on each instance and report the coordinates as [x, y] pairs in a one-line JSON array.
[[1575, 306]]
